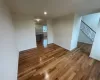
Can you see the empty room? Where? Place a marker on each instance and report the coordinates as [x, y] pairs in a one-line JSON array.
[[49, 39]]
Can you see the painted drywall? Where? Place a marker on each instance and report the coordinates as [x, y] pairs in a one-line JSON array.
[[50, 31], [92, 20], [83, 38], [95, 52], [75, 32], [66, 31], [25, 33], [62, 29], [8, 52]]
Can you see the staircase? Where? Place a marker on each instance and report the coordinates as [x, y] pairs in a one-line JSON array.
[[89, 32]]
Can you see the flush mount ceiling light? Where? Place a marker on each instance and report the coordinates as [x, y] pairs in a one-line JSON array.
[[38, 20], [45, 13]]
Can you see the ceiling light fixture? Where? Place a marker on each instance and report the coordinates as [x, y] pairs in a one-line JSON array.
[[38, 20], [45, 13]]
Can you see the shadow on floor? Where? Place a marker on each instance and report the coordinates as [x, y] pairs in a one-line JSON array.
[[84, 47]]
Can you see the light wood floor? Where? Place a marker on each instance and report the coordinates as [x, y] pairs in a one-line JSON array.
[[56, 63]]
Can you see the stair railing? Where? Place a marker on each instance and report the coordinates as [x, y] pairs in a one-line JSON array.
[[89, 32]]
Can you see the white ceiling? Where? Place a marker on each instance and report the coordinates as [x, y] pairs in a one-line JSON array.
[[54, 8]]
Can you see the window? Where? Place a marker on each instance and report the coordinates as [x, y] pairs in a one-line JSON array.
[[44, 28]]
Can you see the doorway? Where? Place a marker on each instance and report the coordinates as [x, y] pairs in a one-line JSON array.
[[41, 35], [87, 32]]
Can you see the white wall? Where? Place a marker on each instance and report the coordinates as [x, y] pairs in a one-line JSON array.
[[62, 29], [8, 51], [66, 31], [83, 38], [75, 32], [92, 20], [25, 33], [95, 52], [50, 31]]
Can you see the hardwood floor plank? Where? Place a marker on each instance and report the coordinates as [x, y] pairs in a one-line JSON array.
[[56, 63]]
